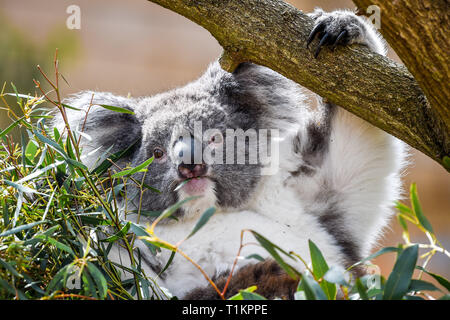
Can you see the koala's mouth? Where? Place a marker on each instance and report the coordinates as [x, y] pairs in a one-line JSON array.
[[195, 186]]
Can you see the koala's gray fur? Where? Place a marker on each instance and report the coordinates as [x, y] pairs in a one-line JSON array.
[[219, 99]]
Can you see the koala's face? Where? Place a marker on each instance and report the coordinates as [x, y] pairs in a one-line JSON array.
[[202, 147], [205, 137]]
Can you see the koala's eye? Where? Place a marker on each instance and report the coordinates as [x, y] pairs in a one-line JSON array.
[[217, 138], [158, 153]]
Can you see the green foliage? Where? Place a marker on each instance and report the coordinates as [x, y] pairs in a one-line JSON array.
[[319, 283], [58, 220]]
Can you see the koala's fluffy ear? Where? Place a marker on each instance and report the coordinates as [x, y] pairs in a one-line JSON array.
[[263, 95], [102, 128]]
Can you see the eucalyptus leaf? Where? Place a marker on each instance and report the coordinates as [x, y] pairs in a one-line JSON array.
[[51, 143], [255, 256], [417, 209], [10, 127], [128, 172], [272, 249], [312, 289], [116, 109], [56, 243], [99, 279], [376, 254], [420, 285], [320, 267], [140, 232], [202, 221], [400, 278], [20, 228], [173, 208], [442, 281], [120, 234], [107, 163], [21, 187], [58, 280], [5, 209], [361, 289], [251, 296], [10, 268]]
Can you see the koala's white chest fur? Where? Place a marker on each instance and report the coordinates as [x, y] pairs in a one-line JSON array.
[[275, 212]]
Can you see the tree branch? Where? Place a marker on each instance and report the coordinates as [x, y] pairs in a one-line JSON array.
[[273, 33]]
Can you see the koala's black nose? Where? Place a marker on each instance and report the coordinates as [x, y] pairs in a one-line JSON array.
[[187, 171]]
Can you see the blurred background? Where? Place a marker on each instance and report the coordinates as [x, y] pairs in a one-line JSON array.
[[136, 47]]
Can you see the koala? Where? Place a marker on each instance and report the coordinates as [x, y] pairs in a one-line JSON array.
[[331, 177]]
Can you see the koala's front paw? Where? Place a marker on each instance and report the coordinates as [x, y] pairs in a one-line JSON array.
[[337, 27]]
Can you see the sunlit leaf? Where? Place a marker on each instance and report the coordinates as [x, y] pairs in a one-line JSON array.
[[418, 209], [128, 172], [140, 232], [249, 290], [404, 209], [116, 109], [402, 223]]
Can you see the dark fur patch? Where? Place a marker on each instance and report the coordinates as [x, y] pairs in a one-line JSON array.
[[319, 135], [271, 280], [313, 147], [303, 170], [334, 223]]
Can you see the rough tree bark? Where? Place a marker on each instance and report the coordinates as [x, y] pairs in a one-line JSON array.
[[274, 34], [418, 32]]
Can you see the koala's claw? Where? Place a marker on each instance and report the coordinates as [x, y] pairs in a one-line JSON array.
[[326, 38], [338, 28], [341, 37], [317, 29]]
